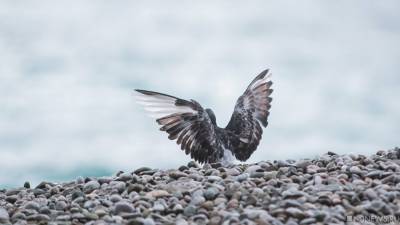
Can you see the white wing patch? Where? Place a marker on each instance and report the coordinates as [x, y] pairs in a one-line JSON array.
[[159, 106], [256, 89], [261, 81]]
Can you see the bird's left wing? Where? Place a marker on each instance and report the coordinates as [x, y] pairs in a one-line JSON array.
[[252, 108], [185, 121]]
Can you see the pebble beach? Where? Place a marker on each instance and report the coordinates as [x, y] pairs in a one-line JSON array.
[[328, 189]]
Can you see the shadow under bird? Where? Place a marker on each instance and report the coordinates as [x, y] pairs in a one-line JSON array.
[[196, 130]]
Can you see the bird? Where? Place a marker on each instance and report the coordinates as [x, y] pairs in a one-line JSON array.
[[195, 129]]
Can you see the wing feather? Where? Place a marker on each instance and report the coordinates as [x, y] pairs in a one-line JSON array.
[[251, 109], [184, 121]]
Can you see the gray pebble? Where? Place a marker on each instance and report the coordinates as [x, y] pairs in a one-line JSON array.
[[118, 186], [254, 168], [125, 177], [270, 175], [90, 186], [312, 169], [177, 174], [61, 205], [323, 190], [158, 207], [142, 169], [38, 217], [193, 164], [4, 217], [123, 207], [190, 210], [12, 199], [32, 205], [295, 212], [80, 180], [77, 194], [17, 216], [356, 170], [214, 178], [115, 198], [292, 193], [211, 193], [242, 177], [63, 218]]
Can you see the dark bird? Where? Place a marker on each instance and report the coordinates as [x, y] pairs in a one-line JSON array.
[[196, 130]]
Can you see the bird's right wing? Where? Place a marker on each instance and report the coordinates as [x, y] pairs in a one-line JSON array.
[[252, 108], [185, 121]]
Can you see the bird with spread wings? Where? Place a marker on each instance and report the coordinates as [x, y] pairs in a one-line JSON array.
[[195, 129]]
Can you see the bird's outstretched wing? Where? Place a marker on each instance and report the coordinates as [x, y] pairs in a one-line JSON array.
[[252, 108], [185, 121]]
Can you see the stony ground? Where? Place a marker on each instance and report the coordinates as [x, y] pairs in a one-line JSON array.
[[324, 190]]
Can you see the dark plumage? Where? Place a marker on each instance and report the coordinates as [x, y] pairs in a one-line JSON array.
[[195, 128]]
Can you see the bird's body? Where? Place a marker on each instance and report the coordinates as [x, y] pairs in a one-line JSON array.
[[196, 130]]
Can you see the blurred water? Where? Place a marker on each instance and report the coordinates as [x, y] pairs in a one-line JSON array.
[[68, 68]]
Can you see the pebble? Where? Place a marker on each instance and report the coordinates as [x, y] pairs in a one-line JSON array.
[[292, 193], [61, 205], [178, 208], [90, 186], [17, 216], [312, 169], [211, 193], [12, 199], [254, 168], [76, 194], [190, 210], [32, 205], [158, 207], [295, 212], [115, 198], [118, 186], [4, 217], [214, 178], [27, 185], [193, 164], [142, 169], [242, 177], [123, 207], [38, 217], [356, 170], [270, 175], [158, 194], [80, 180], [177, 174], [323, 190], [125, 177]]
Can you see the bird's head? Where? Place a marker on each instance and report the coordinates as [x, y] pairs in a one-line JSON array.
[[212, 116]]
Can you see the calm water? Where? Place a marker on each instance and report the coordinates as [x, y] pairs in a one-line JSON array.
[[67, 71]]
